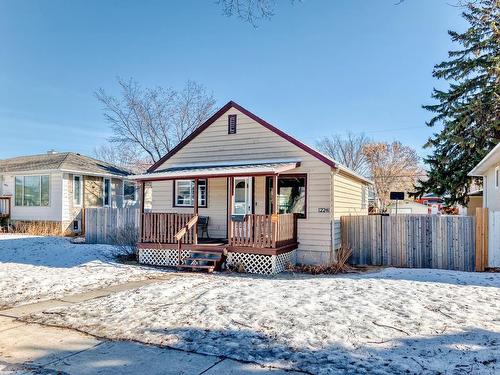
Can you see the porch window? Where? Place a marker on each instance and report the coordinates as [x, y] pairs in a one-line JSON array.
[[184, 193], [292, 192], [32, 191]]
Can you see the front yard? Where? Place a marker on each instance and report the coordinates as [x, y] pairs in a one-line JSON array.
[[39, 268], [392, 321]]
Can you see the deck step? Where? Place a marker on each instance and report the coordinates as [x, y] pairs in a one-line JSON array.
[[194, 267], [200, 259], [206, 252]]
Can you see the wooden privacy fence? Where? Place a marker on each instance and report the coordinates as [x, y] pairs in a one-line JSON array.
[[102, 225], [415, 241]]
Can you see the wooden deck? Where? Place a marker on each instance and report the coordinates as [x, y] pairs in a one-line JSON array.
[[255, 234]]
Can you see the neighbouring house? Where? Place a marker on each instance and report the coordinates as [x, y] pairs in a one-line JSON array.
[[55, 187], [407, 207], [475, 201], [263, 198], [489, 170]]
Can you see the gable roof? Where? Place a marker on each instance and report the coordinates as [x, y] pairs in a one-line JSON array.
[[231, 104], [254, 117], [491, 159], [64, 161]]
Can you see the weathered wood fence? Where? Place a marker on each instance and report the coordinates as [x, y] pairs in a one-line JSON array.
[[103, 225], [415, 241]]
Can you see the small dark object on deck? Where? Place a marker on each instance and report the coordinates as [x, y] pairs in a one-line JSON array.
[[203, 225]]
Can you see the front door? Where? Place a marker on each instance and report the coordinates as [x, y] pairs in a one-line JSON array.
[[242, 196]]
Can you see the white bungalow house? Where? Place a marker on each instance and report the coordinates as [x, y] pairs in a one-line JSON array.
[[240, 188], [55, 187], [489, 170]]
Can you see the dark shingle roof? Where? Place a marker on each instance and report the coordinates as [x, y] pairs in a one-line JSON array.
[[68, 161]]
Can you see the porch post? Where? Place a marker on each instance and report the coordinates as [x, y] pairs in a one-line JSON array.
[[275, 194], [141, 213], [230, 209], [195, 205], [274, 217]]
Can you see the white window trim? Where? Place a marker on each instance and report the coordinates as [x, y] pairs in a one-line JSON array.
[[22, 194], [135, 191], [104, 192], [81, 191], [175, 204]]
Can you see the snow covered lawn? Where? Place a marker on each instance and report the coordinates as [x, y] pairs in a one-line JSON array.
[[36, 268], [393, 321]]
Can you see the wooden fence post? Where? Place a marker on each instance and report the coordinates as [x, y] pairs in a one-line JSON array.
[[481, 239]]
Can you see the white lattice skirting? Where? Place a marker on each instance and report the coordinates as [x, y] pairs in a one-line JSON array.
[[261, 264], [161, 257], [251, 263]]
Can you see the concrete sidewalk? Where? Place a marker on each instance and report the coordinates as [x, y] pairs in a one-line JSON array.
[[27, 348], [36, 349]]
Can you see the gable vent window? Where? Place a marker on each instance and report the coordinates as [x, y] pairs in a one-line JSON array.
[[231, 124]]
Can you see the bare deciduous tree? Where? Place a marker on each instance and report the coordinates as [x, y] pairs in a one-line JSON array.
[[149, 122], [248, 10], [347, 150], [393, 167], [122, 155]]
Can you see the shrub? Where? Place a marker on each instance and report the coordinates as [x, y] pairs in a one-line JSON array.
[[125, 241]]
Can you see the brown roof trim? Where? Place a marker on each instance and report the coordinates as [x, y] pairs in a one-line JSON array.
[[254, 117]]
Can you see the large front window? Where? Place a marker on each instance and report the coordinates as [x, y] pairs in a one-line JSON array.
[[184, 193], [32, 191], [291, 195]]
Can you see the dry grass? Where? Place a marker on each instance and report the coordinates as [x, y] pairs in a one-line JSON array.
[[39, 228], [341, 266]]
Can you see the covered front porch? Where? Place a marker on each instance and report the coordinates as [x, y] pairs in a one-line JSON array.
[[252, 227]]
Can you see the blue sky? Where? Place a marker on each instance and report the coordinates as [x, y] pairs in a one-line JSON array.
[[316, 68]]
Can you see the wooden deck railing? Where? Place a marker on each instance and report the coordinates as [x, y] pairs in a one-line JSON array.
[[264, 231], [163, 228], [183, 232], [5, 206]]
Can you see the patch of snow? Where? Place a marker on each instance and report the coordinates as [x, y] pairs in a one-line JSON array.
[[393, 321], [37, 268]]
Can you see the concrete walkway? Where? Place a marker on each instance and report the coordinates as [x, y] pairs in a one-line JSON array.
[[27, 348]]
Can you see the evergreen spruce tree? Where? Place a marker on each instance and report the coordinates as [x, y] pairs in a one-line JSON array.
[[470, 109]]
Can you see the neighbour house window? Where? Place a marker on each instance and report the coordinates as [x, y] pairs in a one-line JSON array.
[[106, 199], [77, 191], [291, 195], [129, 191], [497, 177], [32, 191], [231, 124], [184, 193]]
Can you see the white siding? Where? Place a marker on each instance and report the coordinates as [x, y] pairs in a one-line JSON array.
[[253, 141], [51, 213], [491, 193]]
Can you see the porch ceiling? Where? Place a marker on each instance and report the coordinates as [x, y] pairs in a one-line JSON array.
[[228, 169]]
